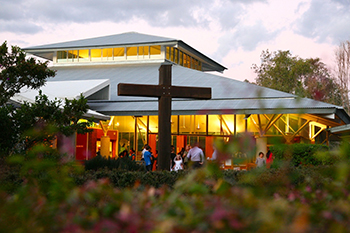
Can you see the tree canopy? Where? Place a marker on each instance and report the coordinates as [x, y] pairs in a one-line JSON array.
[[37, 122], [17, 71], [303, 77]]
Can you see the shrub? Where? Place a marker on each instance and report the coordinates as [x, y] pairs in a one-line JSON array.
[[287, 199], [304, 154]]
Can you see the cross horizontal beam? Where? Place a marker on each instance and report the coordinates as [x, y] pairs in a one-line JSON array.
[[126, 89]]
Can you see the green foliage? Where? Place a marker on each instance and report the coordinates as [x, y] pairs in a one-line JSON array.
[[21, 128], [16, 72], [303, 77], [8, 130], [277, 200], [40, 122], [303, 154], [56, 195]]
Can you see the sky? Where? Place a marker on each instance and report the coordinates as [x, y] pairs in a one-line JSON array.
[[231, 32]]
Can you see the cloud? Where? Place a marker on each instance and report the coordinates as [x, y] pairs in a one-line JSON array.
[[19, 27], [246, 37], [326, 20], [158, 13]]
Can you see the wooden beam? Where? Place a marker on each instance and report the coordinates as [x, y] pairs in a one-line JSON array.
[[165, 92], [271, 121]]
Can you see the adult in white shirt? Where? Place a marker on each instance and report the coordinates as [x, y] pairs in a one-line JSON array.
[[196, 155], [143, 151]]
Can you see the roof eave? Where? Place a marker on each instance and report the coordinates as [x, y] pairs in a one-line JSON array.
[[210, 61]]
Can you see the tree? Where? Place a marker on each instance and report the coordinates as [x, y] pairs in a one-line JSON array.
[[41, 122], [38, 122], [16, 72], [342, 55], [303, 77]]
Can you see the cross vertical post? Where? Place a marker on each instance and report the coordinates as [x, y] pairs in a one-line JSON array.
[[164, 118]]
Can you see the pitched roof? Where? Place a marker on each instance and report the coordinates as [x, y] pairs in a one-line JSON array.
[[229, 96], [111, 40], [65, 89]]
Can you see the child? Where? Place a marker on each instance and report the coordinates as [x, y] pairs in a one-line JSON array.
[[178, 163], [260, 161], [132, 155]]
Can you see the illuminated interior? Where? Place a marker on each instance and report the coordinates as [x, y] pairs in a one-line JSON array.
[[129, 53], [287, 127], [179, 57], [96, 54]]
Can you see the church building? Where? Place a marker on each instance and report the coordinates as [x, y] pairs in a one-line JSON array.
[[96, 66]]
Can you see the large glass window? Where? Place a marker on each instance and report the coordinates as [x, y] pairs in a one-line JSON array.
[[221, 125], [141, 130], [84, 55], [131, 51], [61, 56], [174, 123], [176, 52], [168, 53], [144, 50], [107, 54], [181, 58], [187, 61], [172, 54], [118, 52], [96, 54], [155, 50], [200, 124], [72, 55], [185, 124], [153, 124]]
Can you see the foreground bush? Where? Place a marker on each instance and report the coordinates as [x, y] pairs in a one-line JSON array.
[[124, 179], [304, 154], [287, 199]]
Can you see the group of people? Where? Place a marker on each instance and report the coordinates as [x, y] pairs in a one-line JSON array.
[[180, 161], [188, 155], [150, 159], [193, 156], [262, 162]]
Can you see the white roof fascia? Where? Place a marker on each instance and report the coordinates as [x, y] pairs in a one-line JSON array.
[[66, 89]]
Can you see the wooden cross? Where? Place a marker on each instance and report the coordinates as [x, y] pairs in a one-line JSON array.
[[164, 91]]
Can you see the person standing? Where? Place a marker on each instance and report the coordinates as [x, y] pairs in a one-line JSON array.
[[147, 157], [260, 161], [172, 157], [132, 155], [155, 161], [123, 148], [214, 156], [196, 156], [269, 159], [184, 156], [143, 151]]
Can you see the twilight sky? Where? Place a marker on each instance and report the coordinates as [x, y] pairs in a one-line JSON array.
[[232, 32]]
